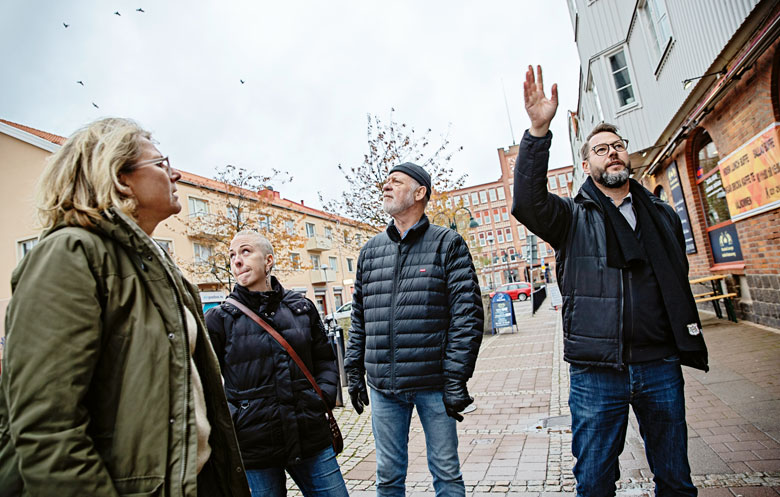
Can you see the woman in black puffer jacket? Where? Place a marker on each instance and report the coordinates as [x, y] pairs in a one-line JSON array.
[[279, 418]]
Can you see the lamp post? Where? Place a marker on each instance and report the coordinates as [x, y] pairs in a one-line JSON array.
[[332, 328], [453, 224], [509, 276]]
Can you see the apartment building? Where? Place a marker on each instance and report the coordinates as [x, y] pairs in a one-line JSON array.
[[322, 263], [499, 244], [695, 90]]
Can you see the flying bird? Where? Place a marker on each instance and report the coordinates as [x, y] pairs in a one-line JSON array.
[[95, 105], [242, 81], [117, 13], [80, 82], [66, 25], [139, 9]]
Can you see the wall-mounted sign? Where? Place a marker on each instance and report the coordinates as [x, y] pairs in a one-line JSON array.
[[751, 175], [725, 244], [678, 198]]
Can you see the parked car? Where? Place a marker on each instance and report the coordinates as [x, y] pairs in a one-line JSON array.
[[520, 290], [342, 312]]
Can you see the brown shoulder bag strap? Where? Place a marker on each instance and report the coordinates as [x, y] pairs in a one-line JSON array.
[[279, 338]]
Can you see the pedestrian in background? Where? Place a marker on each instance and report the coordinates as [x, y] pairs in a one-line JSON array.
[[279, 417], [416, 329], [110, 386], [629, 317]]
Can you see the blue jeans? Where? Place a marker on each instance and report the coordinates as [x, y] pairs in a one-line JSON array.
[[317, 476], [390, 418], [599, 400]]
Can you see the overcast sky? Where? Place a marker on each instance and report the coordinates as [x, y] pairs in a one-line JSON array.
[[312, 72]]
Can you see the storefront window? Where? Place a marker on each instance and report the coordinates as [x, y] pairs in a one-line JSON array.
[[709, 181]]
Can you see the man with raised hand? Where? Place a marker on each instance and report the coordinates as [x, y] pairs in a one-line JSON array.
[[416, 329], [629, 317]]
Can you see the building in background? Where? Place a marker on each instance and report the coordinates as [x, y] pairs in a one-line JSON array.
[[323, 266], [696, 91], [499, 244]]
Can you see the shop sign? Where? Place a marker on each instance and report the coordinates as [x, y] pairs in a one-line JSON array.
[[751, 175], [678, 198], [725, 244]]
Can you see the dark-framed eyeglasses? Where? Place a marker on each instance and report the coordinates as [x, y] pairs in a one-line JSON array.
[[603, 148], [161, 162]]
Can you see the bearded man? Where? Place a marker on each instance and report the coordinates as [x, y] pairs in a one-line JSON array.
[[416, 329], [629, 318]]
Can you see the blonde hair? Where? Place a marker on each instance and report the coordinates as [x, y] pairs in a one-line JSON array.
[[81, 180]]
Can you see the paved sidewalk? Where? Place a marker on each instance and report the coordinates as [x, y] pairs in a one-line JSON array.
[[518, 441]]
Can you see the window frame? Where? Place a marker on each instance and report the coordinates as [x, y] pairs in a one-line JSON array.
[[632, 78]]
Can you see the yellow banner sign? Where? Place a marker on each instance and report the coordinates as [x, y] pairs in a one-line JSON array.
[[751, 174]]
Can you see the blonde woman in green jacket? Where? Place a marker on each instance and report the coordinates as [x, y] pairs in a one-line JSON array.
[[109, 384]]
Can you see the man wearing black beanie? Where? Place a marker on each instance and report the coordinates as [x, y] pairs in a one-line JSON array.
[[416, 329]]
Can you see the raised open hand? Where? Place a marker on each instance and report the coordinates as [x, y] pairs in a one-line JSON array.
[[540, 109]]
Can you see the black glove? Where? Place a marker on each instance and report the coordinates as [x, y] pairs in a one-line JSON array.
[[357, 391], [456, 398]]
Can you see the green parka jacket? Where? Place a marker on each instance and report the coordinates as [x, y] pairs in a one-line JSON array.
[[95, 390]]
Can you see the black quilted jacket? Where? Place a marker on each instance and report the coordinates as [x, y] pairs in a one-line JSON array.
[[279, 418], [416, 311]]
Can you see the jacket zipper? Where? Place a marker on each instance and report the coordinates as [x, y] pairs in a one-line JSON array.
[[630, 341], [620, 323], [391, 329], [185, 426]]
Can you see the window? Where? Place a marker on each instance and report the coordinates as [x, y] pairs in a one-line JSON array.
[[478, 218], [350, 265], [166, 245], [553, 183], [709, 181], [201, 253], [490, 237], [521, 232], [465, 200], [290, 227], [235, 214], [474, 198], [333, 263], [658, 25], [500, 236], [512, 254], [338, 301], [492, 194], [358, 238], [568, 177], [508, 232], [504, 214], [486, 216], [482, 239], [295, 260], [542, 250], [328, 233], [448, 203], [473, 240], [562, 180], [594, 96], [262, 223], [501, 194], [483, 196], [198, 207], [24, 246], [619, 67], [310, 230], [315, 261]]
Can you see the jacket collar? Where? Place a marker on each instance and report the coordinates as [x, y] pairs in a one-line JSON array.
[[260, 300], [414, 232]]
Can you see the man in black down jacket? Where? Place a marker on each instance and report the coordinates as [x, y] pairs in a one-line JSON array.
[[416, 329], [629, 318]]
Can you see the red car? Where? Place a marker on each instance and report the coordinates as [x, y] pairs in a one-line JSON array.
[[520, 290]]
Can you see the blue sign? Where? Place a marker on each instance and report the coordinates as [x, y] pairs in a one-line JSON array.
[[725, 244], [678, 199], [502, 311]]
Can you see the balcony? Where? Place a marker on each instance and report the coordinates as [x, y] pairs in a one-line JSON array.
[[318, 276], [318, 243]]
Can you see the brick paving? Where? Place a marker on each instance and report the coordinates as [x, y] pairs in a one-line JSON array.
[[518, 441]]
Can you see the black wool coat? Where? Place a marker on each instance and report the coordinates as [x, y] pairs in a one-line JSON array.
[[278, 416]]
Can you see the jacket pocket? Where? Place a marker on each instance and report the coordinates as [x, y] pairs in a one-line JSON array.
[[140, 486]]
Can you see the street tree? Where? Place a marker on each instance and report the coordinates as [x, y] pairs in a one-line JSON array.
[[391, 143]]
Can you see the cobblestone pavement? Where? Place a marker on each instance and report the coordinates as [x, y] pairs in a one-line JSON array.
[[518, 440]]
